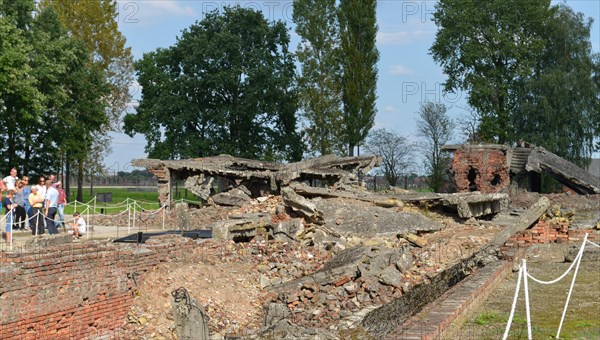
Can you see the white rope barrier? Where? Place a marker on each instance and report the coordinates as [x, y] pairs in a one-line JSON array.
[[527, 310], [563, 274], [524, 275], [182, 200], [562, 319], [134, 209], [594, 244], [514, 304]]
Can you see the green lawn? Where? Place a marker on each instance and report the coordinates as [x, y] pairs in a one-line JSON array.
[[146, 199]]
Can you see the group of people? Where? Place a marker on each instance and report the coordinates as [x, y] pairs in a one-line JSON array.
[[39, 207]]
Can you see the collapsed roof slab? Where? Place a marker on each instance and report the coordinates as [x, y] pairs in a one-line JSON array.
[[563, 171], [275, 175], [475, 204]]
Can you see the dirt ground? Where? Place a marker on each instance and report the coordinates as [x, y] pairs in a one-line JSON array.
[[544, 262]]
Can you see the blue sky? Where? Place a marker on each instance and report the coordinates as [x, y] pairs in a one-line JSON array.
[[407, 73]]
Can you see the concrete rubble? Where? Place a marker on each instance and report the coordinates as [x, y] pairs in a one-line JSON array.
[[334, 258]]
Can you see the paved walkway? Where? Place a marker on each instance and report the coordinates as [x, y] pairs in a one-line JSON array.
[[97, 232]]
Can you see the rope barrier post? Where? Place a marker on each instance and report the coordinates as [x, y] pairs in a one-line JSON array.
[[527, 310], [562, 319], [91, 228], [11, 229], [514, 305], [133, 223], [75, 206], [95, 212], [128, 219]]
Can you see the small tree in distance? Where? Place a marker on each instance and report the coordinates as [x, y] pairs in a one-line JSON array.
[[435, 127], [395, 151]]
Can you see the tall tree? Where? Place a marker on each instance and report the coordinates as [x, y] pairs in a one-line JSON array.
[[94, 22], [435, 128], [395, 151], [226, 86], [319, 89], [19, 96], [486, 48], [358, 27], [559, 106]]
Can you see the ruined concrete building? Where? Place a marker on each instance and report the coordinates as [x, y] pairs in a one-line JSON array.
[[492, 168], [254, 178]]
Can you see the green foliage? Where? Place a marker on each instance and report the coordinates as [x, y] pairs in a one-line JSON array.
[[435, 128], [55, 97], [319, 82], [528, 69], [395, 151], [484, 47], [20, 98], [486, 318], [103, 82], [94, 22], [226, 86], [358, 27], [559, 107]]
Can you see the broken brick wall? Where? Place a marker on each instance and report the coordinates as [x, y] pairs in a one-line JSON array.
[[484, 170], [75, 291]]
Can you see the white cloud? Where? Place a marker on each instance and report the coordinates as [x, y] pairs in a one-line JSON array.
[[402, 37], [400, 70], [390, 108]]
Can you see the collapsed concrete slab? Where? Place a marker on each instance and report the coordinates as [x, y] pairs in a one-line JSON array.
[[579, 180], [467, 205], [476, 204], [350, 217], [259, 177]]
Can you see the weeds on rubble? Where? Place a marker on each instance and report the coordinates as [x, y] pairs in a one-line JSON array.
[[486, 318]]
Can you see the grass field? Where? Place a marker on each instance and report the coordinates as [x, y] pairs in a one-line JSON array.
[[147, 198], [547, 303]]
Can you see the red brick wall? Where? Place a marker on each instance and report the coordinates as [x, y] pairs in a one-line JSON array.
[[486, 163], [75, 291]]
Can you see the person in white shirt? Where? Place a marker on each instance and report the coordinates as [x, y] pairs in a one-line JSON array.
[[78, 225], [10, 180], [41, 186]]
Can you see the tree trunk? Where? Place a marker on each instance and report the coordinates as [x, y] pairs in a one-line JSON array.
[[80, 180], [350, 150], [26, 161], [67, 184], [91, 185]]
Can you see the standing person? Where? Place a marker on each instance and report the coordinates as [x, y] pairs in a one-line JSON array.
[[2, 189], [62, 200], [10, 180], [42, 186], [26, 193], [36, 220], [78, 225], [8, 206], [51, 206], [19, 207]]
